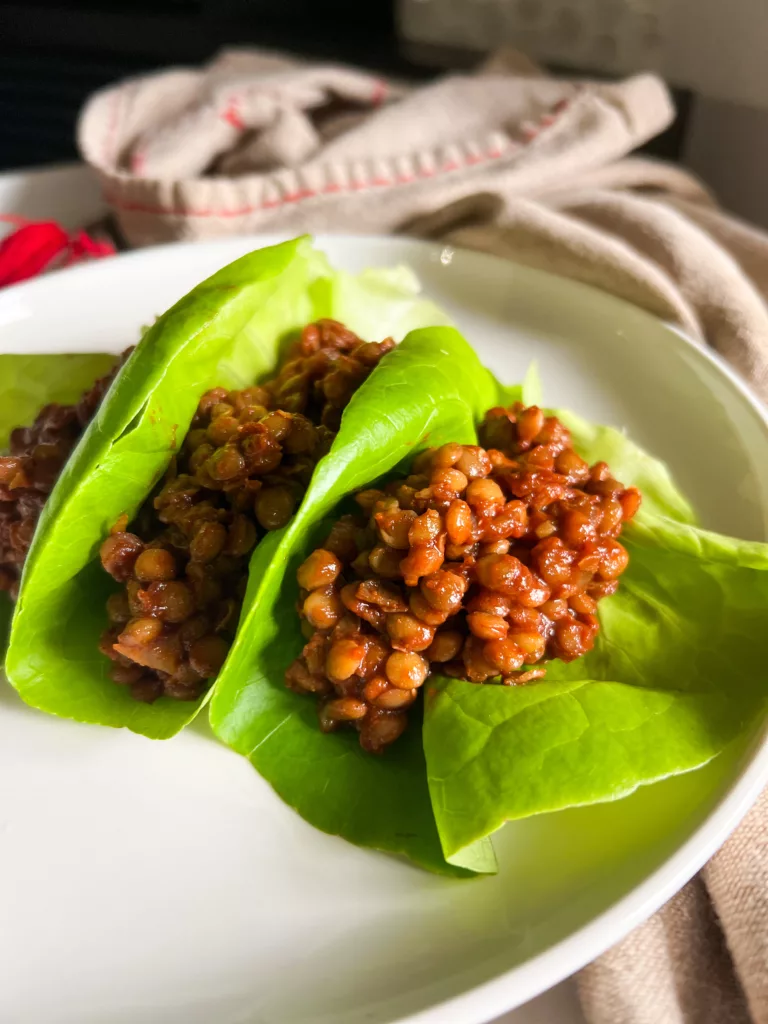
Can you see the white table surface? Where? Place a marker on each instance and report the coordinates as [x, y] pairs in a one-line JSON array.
[[71, 195]]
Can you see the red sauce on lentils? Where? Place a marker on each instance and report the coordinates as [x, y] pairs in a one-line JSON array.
[[484, 564], [241, 471], [32, 466]]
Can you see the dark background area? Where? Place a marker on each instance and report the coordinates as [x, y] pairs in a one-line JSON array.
[[54, 54]]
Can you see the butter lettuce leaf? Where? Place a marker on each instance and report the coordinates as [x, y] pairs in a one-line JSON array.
[[430, 390], [31, 381], [630, 464], [6, 611]]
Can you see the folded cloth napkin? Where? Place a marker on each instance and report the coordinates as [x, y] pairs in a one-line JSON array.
[[511, 162], [703, 958], [505, 160]]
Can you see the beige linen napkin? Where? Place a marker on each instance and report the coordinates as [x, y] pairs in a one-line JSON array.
[[703, 958], [525, 166], [505, 160]]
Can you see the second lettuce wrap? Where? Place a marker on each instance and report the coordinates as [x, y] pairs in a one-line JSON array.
[[431, 389]]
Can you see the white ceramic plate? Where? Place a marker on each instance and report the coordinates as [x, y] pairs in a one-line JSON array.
[[165, 883]]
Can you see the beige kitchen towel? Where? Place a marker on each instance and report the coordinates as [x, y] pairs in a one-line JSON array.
[[506, 160], [673, 969], [532, 168], [703, 958]]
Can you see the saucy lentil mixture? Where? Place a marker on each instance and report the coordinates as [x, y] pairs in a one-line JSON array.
[[484, 564], [36, 457], [241, 471]]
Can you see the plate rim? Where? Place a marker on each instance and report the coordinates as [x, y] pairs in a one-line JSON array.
[[517, 985]]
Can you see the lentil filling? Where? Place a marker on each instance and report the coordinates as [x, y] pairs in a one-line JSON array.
[[241, 471], [484, 564], [36, 457]]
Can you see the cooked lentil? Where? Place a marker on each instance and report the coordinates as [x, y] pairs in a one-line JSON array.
[[486, 561], [37, 455], [241, 471]]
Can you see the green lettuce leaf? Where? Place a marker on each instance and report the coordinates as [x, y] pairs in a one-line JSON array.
[[430, 390], [631, 465], [6, 611], [381, 301], [228, 331], [678, 671], [529, 392], [32, 381], [29, 383]]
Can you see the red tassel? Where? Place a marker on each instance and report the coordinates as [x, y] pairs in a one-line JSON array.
[[36, 247], [83, 247], [30, 250]]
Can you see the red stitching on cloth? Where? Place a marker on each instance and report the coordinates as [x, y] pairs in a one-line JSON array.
[[295, 197], [306, 193], [470, 159], [232, 114], [379, 93], [15, 218]]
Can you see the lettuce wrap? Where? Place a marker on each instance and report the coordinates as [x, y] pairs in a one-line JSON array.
[[674, 677], [230, 332], [29, 383]]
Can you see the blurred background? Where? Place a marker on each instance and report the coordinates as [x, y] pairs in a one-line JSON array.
[[53, 54]]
